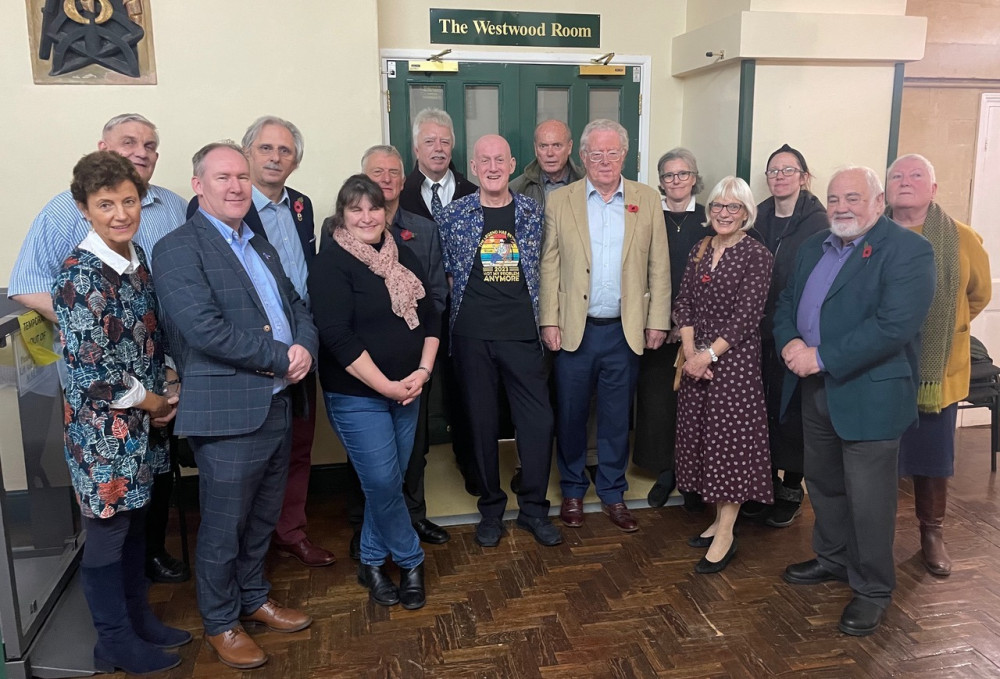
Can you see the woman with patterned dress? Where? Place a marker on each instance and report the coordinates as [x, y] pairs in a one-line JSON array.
[[722, 447], [115, 413]]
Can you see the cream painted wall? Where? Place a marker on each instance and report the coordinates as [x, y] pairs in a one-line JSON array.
[[830, 129], [646, 29], [711, 116], [219, 65]]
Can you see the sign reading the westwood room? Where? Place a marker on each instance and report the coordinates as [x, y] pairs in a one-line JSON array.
[[536, 29]]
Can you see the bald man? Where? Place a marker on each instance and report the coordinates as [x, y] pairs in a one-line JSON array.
[[491, 242]]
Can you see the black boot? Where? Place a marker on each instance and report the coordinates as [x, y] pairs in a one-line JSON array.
[[379, 584], [787, 505], [144, 621], [411, 587], [118, 646]]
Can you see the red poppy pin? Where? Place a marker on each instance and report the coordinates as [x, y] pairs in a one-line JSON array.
[[867, 252], [298, 206], [406, 234], [631, 207], [705, 278]]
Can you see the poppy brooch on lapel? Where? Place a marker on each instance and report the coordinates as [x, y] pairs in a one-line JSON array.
[[406, 234], [867, 251], [298, 206], [631, 207]]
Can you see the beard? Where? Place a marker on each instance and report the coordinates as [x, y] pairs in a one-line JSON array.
[[847, 229]]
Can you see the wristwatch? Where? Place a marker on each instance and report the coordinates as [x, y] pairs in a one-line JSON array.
[[711, 352]]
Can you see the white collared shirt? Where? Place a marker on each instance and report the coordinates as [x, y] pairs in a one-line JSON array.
[[689, 208], [445, 193]]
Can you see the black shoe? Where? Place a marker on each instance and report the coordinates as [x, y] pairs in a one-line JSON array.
[[860, 618], [693, 501], [661, 490], [165, 568], [787, 505], [354, 551], [430, 532], [380, 587], [705, 566], [489, 531], [545, 533], [755, 511], [411, 587], [699, 542], [810, 572], [515, 482]]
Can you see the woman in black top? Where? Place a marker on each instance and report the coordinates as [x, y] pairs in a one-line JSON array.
[[378, 339], [784, 221], [656, 400]]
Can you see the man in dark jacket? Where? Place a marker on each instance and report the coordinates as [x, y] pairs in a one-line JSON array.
[[552, 167]]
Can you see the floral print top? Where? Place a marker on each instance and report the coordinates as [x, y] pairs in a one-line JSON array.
[[108, 328]]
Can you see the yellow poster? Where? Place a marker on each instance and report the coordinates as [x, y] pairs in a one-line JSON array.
[[38, 335]]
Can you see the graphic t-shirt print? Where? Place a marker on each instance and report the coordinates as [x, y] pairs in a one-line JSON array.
[[500, 257]]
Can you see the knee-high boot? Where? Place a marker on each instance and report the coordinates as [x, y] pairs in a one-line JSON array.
[[118, 646], [136, 586], [930, 495]]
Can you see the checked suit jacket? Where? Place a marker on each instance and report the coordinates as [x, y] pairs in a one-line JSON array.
[[220, 336]]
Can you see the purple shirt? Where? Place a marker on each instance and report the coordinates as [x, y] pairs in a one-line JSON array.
[[817, 286]]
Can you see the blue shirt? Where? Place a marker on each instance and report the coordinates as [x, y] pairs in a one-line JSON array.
[[263, 283], [606, 221], [60, 227], [280, 229], [807, 318]]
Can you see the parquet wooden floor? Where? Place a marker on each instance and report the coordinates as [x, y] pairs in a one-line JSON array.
[[609, 605]]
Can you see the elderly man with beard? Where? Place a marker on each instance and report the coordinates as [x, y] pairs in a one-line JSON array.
[[848, 323]]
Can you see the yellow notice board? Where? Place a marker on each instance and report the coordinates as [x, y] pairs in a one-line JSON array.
[[39, 335]]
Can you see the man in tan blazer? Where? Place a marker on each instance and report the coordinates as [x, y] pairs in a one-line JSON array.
[[605, 296]]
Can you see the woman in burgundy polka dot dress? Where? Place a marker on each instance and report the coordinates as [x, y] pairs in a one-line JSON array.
[[722, 445]]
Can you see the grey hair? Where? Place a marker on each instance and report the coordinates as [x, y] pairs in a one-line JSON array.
[[198, 159], [681, 153], [738, 189], [381, 148], [603, 124], [123, 118], [250, 136], [874, 183], [432, 115], [918, 157]]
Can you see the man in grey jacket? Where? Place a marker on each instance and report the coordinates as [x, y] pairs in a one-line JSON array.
[[552, 167]]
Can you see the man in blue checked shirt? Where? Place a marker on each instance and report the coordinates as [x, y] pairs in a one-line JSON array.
[[59, 228]]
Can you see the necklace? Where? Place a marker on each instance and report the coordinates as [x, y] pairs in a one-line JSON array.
[[677, 224]]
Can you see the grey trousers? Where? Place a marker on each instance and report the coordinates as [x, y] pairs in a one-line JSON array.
[[852, 488]]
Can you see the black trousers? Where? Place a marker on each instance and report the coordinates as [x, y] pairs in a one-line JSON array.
[[520, 365], [852, 488], [785, 435], [656, 410], [158, 511]]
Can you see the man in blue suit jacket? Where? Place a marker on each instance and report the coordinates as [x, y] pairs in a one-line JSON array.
[[241, 337], [848, 324]]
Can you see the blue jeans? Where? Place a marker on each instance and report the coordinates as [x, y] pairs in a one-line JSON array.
[[378, 436]]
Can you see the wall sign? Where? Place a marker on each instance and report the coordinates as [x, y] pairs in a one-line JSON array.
[[536, 29]]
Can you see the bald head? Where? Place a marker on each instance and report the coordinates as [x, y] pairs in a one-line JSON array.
[[493, 165], [553, 146]]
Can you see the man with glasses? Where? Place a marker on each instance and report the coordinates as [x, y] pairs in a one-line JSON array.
[[605, 297]]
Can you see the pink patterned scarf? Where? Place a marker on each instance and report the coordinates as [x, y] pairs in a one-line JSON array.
[[404, 287]]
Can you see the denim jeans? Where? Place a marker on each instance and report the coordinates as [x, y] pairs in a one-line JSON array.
[[378, 436]]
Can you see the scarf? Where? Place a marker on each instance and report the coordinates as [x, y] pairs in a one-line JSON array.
[[939, 327], [404, 287]]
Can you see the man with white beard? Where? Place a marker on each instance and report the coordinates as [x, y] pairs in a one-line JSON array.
[[848, 323]]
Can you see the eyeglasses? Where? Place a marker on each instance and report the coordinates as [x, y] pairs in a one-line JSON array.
[[731, 208], [601, 156], [378, 173], [681, 176], [268, 149], [787, 171]]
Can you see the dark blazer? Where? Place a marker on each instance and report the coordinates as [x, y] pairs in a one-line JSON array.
[[411, 200], [869, 329], [220, 336], [305, 226]]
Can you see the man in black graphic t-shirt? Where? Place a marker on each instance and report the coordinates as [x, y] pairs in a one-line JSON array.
[[491, 241]]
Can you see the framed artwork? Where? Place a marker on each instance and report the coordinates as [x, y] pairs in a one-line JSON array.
[[91, 42]]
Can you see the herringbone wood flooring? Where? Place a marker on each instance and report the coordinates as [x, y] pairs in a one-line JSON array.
[[604, 604]]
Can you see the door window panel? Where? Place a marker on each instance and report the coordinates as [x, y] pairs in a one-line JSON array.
[[605, 103], [552, 103], [425, 96], [482, 114]]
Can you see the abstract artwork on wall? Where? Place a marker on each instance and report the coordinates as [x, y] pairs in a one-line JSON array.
[[91, 42]]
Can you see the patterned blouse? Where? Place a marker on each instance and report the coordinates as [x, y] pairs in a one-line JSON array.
[[108, 329]]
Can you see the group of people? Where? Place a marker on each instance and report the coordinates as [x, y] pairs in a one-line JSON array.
[[761, 344]]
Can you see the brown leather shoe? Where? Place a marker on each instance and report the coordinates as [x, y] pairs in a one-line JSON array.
[[278, 618], [306, 552], [620, 516], [235, 648], [571, 511]]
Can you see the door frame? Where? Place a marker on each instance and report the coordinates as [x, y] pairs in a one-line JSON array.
[[567, 59]]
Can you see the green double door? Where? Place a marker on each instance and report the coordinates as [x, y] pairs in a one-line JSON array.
[[510, 100]]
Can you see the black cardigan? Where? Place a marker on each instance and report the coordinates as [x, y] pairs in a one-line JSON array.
[[353, 314]]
